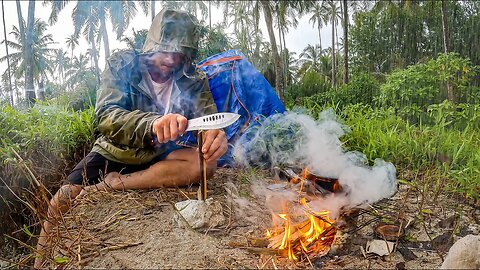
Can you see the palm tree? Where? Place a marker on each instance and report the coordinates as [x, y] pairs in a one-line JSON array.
[[78, 71], [60, 63], [267, 13], [334, 15], [26, 42], [41, 53], [88, 24], [287, 16], [345, 42], [9, 89], [310, 58], [247, 9], [290, 67], [96, 13], [318, 17], [72, 43]]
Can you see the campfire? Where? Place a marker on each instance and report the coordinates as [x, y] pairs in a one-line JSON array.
[[298, 230]]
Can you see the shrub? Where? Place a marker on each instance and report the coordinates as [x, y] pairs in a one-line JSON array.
[[410, 91], [310, 84], [362, 89]]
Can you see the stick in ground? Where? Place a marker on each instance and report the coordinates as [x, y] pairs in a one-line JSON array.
[[203, 170]]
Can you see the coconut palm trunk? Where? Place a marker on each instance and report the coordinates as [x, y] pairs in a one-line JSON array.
[[103, 29], [210, 14], [267, 12], [10, 89], [29, 83], [345, 42], [319, 33]]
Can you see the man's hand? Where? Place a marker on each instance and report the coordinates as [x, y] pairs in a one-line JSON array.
[[169, 127], [215, 144]]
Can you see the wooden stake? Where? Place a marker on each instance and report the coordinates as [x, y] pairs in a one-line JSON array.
[[203, 167]]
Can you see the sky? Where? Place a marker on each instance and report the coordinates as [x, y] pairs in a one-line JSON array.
[[296, 39]]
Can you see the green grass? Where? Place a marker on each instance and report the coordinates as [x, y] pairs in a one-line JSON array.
[[54, 127]]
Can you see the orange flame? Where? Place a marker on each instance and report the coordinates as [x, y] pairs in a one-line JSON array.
[[311, 237]]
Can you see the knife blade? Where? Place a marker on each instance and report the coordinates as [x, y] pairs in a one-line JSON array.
[[212, 121]]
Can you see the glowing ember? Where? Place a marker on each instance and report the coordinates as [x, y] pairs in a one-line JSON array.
[[311, 237]]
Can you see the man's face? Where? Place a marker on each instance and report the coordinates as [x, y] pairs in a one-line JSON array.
[[163, 64]]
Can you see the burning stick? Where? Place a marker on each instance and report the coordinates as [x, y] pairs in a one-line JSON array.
[[203, 169]]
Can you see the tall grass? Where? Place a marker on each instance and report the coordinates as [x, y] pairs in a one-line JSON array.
[[39, 143]]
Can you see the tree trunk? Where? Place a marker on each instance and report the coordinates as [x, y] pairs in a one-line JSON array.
[[285, 58], [20, 23], [94, 54], [276, 57], [29, 85], [445, 27], [345, 42], [333, 48], [10, 89], [95, 61], [319, 34], [103, 30], [210, 13], [446, 49], [152, 9]]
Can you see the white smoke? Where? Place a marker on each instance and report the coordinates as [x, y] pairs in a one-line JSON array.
[[298, 140]]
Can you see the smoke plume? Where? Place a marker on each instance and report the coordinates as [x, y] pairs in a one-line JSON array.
[[297, 140]]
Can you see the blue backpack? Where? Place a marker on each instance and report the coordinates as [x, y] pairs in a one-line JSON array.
[[238, 87]]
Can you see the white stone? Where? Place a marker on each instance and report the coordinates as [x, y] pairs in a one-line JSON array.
[[379, 247], [464, 254], [200, 214]]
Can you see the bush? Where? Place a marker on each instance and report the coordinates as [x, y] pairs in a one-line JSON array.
[[410, 91], [310, 84], [362, 89]]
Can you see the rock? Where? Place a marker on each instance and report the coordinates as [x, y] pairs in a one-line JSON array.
[[380, 247], [200, 214], [464, 254], [442, 242]]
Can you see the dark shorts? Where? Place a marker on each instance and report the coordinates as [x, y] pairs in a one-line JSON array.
[[92, 168]]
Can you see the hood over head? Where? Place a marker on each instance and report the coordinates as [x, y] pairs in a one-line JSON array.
[[173, 31]]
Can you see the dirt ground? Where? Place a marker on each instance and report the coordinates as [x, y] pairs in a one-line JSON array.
[[142, 230]]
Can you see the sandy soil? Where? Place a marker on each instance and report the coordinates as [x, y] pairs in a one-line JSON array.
[[142, 230]]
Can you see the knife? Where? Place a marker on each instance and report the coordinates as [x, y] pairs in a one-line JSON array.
[[207, 122]]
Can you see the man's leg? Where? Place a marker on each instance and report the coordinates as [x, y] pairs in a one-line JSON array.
[[86, 172], [59, 204], [180, 167]]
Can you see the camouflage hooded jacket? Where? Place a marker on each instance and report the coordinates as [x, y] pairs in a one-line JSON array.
[[126, 108]]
